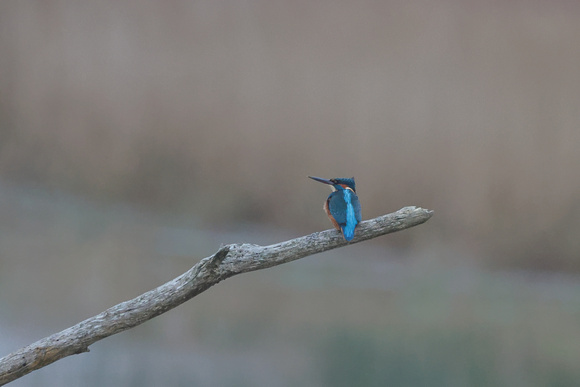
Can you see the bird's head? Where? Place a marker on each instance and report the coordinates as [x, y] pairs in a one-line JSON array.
[[337, 183]]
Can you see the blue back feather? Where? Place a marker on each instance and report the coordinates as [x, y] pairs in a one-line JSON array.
[[345, 208]]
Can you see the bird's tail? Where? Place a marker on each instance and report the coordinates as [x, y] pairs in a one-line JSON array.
[[348, 232]]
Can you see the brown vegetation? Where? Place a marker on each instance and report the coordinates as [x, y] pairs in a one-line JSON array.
[[222, 110]]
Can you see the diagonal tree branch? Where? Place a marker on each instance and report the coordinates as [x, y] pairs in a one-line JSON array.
[[226, 262]]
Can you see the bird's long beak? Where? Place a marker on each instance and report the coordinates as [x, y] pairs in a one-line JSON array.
[[321, 180]]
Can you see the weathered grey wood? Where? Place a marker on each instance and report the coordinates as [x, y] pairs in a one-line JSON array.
[[226, 262]]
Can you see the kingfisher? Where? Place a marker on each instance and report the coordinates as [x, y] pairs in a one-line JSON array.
[[342, 206]]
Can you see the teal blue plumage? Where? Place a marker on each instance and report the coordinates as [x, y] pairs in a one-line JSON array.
[[342, 206]]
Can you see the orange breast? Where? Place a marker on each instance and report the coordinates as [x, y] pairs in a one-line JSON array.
[[334, 223]]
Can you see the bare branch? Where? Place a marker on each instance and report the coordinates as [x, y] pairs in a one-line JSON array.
[[226, 262]]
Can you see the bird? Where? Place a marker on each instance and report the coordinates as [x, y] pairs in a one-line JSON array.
[[342, 205]]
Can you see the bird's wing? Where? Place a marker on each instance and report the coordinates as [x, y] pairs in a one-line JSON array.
[[337, 207], [344, 207]]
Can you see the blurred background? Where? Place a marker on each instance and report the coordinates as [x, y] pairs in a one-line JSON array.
[[136, 137]]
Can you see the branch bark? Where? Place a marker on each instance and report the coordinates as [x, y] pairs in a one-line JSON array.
[[226, 262]]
